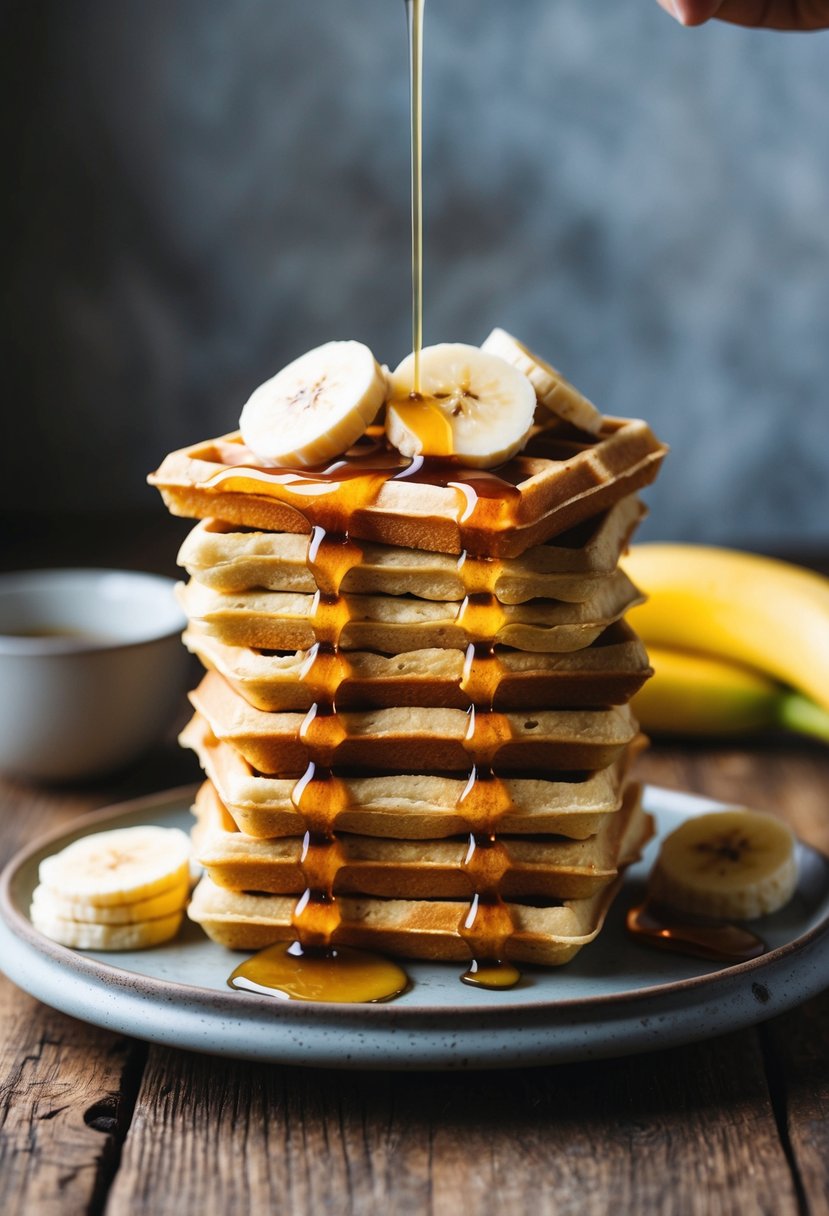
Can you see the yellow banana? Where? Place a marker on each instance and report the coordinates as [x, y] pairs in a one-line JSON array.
[[696, 694], [744, 608], [692, 694]]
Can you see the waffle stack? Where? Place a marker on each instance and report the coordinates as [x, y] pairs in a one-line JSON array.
[[414, 718]]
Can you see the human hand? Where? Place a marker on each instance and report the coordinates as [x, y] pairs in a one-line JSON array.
[[772, 14]]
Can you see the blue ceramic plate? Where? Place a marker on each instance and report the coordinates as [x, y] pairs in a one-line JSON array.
[[617, 997]]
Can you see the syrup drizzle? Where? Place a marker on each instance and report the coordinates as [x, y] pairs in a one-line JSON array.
[[487, 925], [489, 503], [313, 966]]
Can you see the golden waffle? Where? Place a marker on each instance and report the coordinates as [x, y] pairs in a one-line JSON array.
[[409, 805], [231, 561], [280, 620], [608, 672], [561, 478], [549, 934], [407, 740], [549, 867]]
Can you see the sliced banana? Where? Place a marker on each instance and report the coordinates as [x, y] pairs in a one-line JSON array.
[[553, 391], [119, 867], [471, 405], [317, 407], [169, 901], [733, 864], [82, 935]]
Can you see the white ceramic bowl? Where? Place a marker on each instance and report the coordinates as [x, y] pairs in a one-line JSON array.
[[91, 669]]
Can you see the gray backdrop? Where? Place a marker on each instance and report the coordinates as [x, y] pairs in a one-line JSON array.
[[202, 189]]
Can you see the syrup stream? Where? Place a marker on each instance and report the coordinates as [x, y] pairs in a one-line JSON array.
[[415, 10]]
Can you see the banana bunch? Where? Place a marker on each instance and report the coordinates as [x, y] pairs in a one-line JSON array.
[[119, 890], [738, 642]]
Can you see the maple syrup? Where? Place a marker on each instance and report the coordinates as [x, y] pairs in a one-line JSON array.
[[415, 11], [720, 941], [489, 500], [343, 975]]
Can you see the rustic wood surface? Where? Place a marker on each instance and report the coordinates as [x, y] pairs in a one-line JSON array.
[[92, 1122]]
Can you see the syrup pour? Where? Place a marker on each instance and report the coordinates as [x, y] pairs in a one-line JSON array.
[[415, 11], [662, 927], [487, 925]]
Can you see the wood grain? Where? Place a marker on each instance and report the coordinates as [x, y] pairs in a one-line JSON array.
[[689, 1130], [797, 1058], [66, 1093]]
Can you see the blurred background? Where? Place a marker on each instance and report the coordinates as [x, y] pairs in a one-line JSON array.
[[199, 190]]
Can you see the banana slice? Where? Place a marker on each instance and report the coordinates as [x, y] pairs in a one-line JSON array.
[[553, 391], [81, 935], [119, 867], [471, 405], [733, 864], [316, 407], [52, 904]]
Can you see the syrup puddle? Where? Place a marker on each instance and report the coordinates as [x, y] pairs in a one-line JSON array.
[[719, 941], [342, 975]]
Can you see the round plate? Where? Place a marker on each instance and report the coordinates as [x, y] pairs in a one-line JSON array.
[[616, 997]]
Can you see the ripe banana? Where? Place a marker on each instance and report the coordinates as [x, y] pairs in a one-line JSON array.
[[697, 694], [471, 404], [119, 890], [553, 391], [764, 613], [316, 407], [726, 864], [123, 866]]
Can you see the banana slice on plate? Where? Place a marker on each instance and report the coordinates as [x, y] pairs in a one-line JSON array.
[[168, 901], [124, 866], [119, 890], [84, 935], [470, 404], [731, 865], [316, 408], [558, 395]]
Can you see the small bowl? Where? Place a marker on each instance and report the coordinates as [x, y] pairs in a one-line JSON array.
[[91, 669]]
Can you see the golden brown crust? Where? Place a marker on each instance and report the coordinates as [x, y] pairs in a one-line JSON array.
[[411, 740], [563, 477], [550, 934], [608, 672], [410, 805]]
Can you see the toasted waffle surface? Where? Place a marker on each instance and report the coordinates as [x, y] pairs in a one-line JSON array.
[[608, 672], [278, 620], [540, 866], [550, 934], [560, 479], [416, 740], [409, 805], [230, 561]]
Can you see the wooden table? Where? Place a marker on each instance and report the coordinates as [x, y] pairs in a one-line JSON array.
[[92, 1122]]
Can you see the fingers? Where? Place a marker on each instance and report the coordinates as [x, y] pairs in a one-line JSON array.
[[772, 14]]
